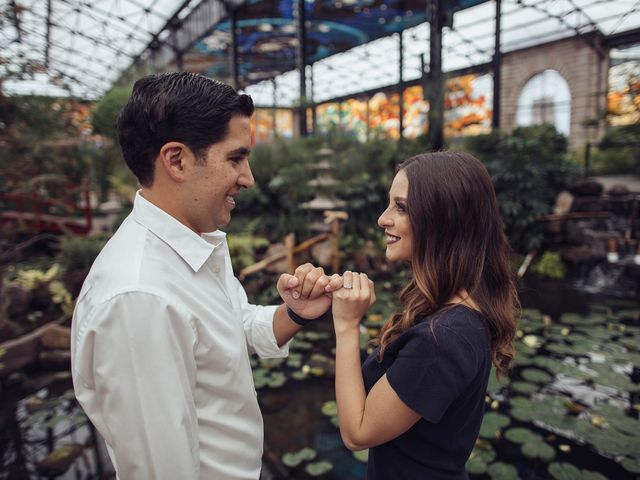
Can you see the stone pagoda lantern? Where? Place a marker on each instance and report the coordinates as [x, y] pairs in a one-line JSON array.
[[324, 186], [325, 208]]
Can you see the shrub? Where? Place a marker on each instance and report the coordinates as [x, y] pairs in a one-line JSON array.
[[282, 170], [618, 152], [529, 168], [78, 253], [550, 265]]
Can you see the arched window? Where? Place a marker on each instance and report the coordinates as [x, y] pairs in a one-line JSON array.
[[545, 98]]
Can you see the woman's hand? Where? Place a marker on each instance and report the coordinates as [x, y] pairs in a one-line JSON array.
[[352, 301]]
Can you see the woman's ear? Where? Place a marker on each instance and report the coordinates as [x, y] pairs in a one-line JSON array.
[[174, 158]]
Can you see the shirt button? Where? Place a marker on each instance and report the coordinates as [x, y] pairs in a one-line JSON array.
[[215, 269]]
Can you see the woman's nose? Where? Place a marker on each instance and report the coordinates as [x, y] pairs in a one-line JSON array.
[[384, 221]]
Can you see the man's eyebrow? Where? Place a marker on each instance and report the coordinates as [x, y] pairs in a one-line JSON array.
[[242, 151]]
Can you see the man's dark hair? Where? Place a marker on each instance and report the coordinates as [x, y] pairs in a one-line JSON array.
[[175, 107]]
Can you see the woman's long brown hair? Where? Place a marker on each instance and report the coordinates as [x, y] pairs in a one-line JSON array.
[[458, 244]]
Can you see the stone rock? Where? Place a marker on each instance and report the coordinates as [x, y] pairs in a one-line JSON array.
[[15, 379], [587, 204], [34, 403], [576, 231], [6, 330], [582, 254], [618, 190], [56, 337], [587, 187], [18, 300], [59, 461], [55, 359]]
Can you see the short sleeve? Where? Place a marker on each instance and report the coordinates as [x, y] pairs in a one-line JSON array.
[[432, 369]]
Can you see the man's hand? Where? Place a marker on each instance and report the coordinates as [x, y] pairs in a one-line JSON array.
[[308, 291]]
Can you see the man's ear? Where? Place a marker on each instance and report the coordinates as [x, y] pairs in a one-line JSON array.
[[174, 158]]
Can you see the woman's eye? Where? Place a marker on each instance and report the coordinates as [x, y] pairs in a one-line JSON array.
[[401, 207]]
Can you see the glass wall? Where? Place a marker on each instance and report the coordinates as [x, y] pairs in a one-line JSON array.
[[623, 97]]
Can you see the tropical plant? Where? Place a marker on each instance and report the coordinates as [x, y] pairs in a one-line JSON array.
[[108, 166], [550, 265], [283, 168], [78, 253], [618, 152], [529, 168]]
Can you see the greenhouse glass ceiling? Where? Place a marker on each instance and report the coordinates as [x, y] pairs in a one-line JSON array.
[[352, 45]]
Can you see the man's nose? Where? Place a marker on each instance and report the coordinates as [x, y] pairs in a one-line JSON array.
[[246, 176]]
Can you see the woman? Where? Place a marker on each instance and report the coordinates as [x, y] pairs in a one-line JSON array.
[[418, 401]]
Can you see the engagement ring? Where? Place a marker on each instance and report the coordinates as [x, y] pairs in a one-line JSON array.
[[347, 285]]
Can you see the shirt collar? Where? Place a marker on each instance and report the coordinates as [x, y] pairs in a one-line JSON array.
[[193, 248]]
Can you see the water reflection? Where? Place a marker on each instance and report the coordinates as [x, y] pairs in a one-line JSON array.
[[573, 393], [45, 433]]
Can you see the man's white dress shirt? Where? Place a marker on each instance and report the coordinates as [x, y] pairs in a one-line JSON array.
[[161, 337]]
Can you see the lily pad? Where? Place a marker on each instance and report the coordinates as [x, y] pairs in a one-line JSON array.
[[631, 465], [276, 380], [330, 408], [576, 319], [525, 387], [299, 375], [560, 348], [628, 314], [589, 475], [535, 375], [624, 423], [307, 453], [538, 449], [294, 362], [476, 465], [521, 402], [564, 471], [361, 455], [313, 336], [300, 345], [291, 460], [492, 424], [271, 363], [502, 471], [523, 414], [318, 468], [496, 385], [484, 450], [531, 314], [520, 435]]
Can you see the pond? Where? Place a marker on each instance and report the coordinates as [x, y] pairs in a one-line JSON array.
[[569, 410], [44, 433]]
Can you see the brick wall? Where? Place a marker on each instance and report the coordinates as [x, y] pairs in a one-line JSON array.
[[584, 69]]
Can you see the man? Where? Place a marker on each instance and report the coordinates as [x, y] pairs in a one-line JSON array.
[[162, 330]]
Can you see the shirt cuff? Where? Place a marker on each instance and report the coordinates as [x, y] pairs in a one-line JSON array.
[[264, 341]]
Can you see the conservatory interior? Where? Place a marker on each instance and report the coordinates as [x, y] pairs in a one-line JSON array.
[[546, 93]]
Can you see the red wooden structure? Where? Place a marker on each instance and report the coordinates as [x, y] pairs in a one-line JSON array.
[[48, 205]]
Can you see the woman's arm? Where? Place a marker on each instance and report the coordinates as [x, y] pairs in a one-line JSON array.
[[365, 421]]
